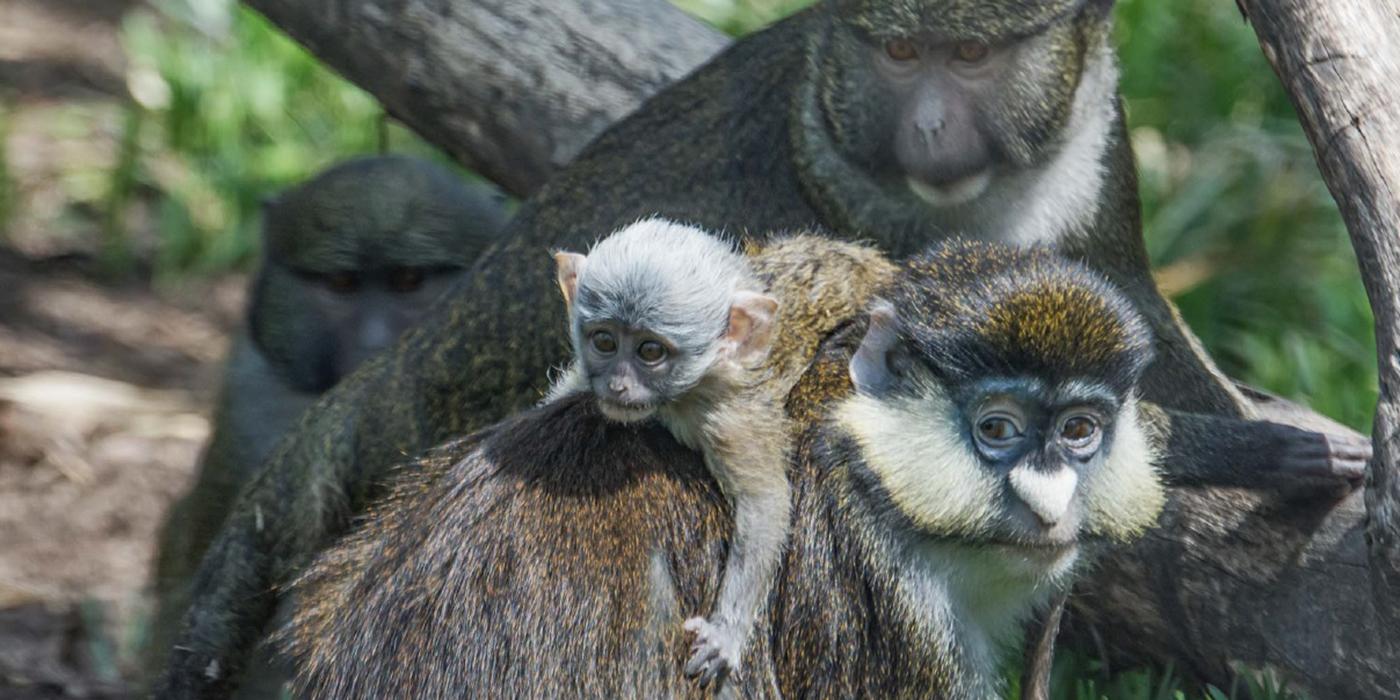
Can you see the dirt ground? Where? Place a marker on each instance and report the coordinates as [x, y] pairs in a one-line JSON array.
[[104, 393], [105, 385]]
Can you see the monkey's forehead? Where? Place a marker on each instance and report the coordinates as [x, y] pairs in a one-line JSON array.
[[972, 19]]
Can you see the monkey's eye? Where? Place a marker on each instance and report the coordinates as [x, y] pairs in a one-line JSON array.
[[604, 342], [651, 352], [901, 50], [971, 51], [343, 282], [997, 430], [405, 279], [1079, 431]]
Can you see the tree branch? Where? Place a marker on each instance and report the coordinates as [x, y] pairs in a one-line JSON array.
[[512, 89], [1339, 63]]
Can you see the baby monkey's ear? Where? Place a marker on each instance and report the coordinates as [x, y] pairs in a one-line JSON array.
[[568, 266], [870, 366], [750, 331]]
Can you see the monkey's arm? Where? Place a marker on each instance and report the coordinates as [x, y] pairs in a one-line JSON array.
[[1207, 449], [234, 591]]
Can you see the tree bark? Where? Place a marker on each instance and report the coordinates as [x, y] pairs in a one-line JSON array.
[[512, 89], [1339, 63]]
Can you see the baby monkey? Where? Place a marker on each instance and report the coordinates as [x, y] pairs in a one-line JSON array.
[[669, 321]]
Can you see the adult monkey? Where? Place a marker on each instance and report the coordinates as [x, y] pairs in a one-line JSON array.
[[351, 258], [780, 132]]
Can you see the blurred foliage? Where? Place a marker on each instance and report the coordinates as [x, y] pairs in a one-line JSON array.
[[232, 111], [1232, 197]]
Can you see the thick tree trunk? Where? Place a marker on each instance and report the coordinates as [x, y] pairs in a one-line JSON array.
[[1340, 62], [512, 89]]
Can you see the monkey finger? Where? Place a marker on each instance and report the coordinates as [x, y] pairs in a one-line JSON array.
[[713, 673], [1350, 447], [699, 660], [1324, 467]]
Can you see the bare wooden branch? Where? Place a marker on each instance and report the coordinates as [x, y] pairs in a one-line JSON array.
[[510, 88], [1339, 61]]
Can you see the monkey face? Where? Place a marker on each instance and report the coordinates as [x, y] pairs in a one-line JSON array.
[[1014, 463], [316, 326], [654, 308], [632, 371], [355, 256], [942, 111], [995, 405]]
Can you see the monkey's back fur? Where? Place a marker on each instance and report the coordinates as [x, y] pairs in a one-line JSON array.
[[820, 284], [555, 558]]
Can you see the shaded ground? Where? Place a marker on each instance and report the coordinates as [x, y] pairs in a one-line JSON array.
[[103, 396], [104, 386]]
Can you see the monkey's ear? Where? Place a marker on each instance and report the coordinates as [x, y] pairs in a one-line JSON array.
[[870, 366], [750, 329], [568, 266]]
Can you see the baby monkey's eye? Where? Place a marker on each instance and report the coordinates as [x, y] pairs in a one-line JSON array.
[[651, 351], [971, 51], [604, 342], [901, 50], [1079, 430]]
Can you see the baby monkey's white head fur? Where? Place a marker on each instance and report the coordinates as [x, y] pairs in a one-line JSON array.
[[656, 310]]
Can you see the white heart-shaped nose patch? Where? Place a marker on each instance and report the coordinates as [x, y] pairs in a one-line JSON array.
[[1047, 494]]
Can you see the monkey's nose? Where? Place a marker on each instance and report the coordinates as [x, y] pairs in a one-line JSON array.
[[1047, 494], [929, 130]]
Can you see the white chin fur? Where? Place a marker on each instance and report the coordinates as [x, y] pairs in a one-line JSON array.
[[618, 413], [1040, 564], [960, 192]]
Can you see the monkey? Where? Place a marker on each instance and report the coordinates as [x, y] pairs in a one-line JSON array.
[[667, 321], [812, 124], [984, 444], [969, 462], [350, 259]]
